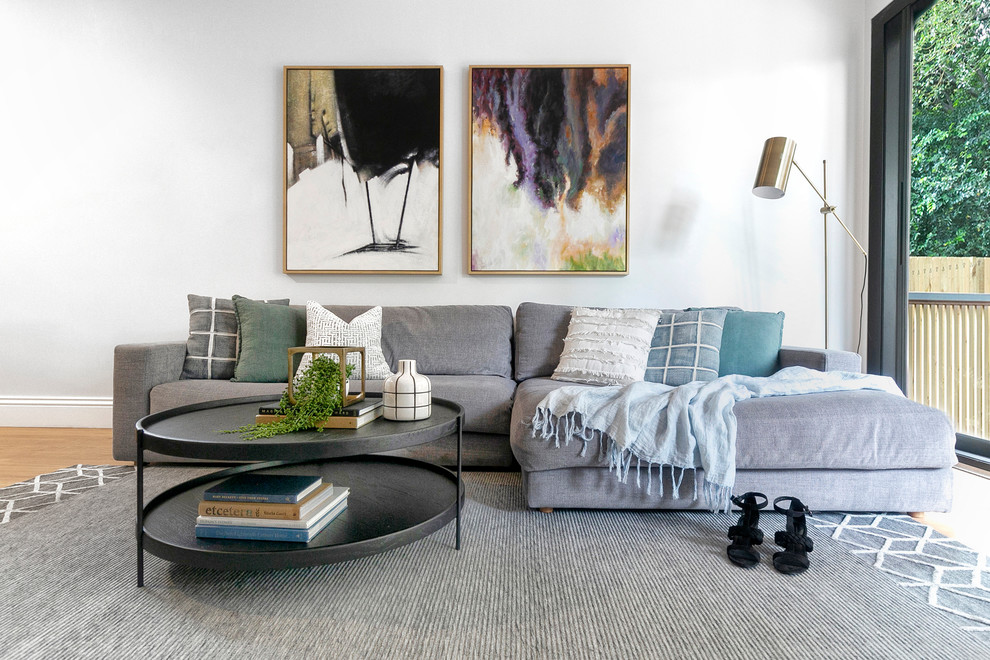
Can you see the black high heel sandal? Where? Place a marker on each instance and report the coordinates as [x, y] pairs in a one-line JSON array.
[[794, 540], [746, 533]]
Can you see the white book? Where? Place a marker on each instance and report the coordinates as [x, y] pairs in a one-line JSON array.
[[339, 495]]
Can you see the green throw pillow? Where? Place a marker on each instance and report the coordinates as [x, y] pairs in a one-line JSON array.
[[267, 333], [750, 343]]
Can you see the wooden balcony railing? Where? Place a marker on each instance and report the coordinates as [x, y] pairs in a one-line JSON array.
[[949, 356]]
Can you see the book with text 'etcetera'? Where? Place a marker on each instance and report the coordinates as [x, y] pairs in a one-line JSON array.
[[337, 495], [269, 510], [270, 533], [253, 487]]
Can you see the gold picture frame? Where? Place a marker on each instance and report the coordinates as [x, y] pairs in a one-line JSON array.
[[363, 170], [548, 176]]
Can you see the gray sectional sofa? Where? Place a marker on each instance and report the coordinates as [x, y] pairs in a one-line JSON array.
[[857, 451]]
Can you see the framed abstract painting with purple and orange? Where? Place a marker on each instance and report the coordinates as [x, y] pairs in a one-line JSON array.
[[548, 165]]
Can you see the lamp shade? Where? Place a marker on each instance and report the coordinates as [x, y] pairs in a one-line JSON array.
[[775, 167]]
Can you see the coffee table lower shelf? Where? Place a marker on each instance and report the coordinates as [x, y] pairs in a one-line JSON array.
[[392, 502]]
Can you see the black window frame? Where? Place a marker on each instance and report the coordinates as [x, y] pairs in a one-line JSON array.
[[891, 76]]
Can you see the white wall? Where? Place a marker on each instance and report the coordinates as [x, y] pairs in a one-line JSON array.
[[141, 160]]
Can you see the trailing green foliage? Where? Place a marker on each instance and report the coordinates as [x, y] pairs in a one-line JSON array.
[[317, 394], [950, 144]]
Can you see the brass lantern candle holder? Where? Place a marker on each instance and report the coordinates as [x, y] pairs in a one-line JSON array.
[[341, 352]]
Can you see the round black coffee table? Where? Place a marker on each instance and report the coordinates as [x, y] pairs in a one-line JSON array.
[[393, 501]]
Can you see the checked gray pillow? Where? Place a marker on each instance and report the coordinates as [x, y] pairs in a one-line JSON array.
[[685, 347], [214, 339]]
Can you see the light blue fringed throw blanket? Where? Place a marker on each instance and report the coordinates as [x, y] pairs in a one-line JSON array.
[[684, 427]]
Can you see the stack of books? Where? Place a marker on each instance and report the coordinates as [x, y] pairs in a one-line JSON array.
[[269, 507], [353, 416]]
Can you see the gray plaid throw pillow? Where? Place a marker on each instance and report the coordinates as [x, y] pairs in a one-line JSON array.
[[685, 347], [212, 347]]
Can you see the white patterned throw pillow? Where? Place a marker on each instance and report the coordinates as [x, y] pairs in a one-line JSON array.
[[606, 346], [324, 328]]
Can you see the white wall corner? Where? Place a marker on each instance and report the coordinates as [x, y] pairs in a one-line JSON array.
[[62, 412]]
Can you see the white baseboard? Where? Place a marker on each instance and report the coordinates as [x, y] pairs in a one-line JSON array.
[[67, 412]]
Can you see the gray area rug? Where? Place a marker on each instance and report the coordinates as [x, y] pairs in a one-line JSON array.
[[526, 584], [32, 495]]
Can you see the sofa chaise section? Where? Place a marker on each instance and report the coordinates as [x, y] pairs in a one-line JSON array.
[[858, 451]]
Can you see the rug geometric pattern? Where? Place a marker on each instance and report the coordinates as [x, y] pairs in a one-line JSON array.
[[45, 489], [942, 571]]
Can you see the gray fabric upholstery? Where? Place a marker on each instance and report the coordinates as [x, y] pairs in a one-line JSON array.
[[486, 400], [905, 490], [863, 430], [186, 392], [540, 332], [136, 369], [478, 450], [822, 359], [445, 339], [484, 450]]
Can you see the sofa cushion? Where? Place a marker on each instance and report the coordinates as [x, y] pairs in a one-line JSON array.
[[211, 350], [685, 347], [860, 430], [606, 346], [487, 400], [324, 328], [267, 333], [540, 332], [456, 340]]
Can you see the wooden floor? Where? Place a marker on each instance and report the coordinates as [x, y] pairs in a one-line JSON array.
[[969, 520], [27, 452]]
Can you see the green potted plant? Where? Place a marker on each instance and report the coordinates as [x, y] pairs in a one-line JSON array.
[[317, 394]]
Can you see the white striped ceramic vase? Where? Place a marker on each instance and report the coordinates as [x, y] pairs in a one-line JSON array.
[[406, 395]]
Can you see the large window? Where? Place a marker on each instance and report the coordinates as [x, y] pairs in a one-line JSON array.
[[929, 325]]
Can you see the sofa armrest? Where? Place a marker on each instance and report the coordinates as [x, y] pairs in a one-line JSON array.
[[136, 369], [822, 359]]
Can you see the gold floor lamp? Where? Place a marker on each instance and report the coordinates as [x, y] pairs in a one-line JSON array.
[[771, 183]]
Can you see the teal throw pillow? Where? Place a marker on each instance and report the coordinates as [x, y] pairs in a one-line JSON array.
[[751, 343], [267, 333], [685, 347]]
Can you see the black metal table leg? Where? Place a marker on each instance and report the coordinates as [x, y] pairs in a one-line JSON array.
[[140, 508], [460, 423]]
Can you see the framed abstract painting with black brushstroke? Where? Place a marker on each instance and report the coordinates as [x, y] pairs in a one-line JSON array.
[[548, 161], [363, 169]]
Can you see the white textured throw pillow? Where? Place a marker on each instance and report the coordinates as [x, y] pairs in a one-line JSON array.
[[606, 346], [324, 328]]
